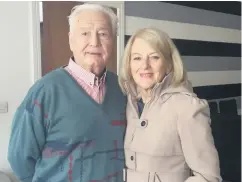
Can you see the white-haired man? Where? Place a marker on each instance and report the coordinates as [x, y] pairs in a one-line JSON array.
[[71, 124]]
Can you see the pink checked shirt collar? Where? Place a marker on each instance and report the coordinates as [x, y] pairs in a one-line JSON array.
[[88, 77]]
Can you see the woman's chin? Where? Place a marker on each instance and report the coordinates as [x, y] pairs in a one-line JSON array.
[[146, 87]]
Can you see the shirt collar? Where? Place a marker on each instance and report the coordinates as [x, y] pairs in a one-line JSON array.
[[88, 77]]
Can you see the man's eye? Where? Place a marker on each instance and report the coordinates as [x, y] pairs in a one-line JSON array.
[[103, 34], [84, 33], [137, 58]]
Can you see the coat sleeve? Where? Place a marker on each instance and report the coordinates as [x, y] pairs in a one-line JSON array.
[[197, 141], [27, 137]]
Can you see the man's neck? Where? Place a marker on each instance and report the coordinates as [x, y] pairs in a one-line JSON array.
[[97, 73]]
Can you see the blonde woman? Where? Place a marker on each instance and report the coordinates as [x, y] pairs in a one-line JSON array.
[[168, 136]]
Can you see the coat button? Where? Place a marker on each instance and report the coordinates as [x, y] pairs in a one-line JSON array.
[[143, 123], [132, 158]]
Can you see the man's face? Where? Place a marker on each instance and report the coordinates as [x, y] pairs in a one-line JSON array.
[[91, 40]]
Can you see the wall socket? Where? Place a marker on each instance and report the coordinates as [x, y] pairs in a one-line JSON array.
[[3, 107]]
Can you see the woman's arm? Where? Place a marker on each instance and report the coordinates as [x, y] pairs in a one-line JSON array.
[[197, 141]]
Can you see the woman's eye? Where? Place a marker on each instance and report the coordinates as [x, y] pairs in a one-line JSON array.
[[155, 57]]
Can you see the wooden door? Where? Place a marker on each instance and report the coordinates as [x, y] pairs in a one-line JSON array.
[[55, 51]]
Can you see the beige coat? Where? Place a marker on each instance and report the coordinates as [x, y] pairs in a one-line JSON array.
[[172, 140]]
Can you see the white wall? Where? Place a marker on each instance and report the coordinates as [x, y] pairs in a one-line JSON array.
[[15, 65]]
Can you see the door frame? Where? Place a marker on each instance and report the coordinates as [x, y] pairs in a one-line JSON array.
[[36, 42]]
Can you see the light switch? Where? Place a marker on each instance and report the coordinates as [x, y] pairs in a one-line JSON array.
[[3, 107]]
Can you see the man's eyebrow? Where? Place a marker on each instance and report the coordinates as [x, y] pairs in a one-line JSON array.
[[85, 27], [89, 27], [103, 28], [133, 53]]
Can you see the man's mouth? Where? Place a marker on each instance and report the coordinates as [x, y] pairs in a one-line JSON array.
[[94, 53]]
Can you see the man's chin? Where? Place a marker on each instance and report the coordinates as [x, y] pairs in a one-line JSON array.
[[96, 66], [98, 71], [94, 60]]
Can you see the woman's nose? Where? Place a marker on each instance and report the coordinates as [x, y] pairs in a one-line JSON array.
[[145, 63]]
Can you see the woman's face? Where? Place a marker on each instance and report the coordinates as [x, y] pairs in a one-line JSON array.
[[147, 66]]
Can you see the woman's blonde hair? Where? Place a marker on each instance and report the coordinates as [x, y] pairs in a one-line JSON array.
[[163, 45]]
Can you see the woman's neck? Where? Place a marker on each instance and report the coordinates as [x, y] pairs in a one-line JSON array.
[[146, 95]]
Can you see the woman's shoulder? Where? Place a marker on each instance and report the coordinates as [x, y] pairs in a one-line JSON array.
[[189, 103], [184, 95], [187, 98]]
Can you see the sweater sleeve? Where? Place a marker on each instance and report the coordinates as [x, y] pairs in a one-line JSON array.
[[197, 142], [27, 135]]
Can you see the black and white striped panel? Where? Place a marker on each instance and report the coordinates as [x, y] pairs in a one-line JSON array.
[[209, 42]]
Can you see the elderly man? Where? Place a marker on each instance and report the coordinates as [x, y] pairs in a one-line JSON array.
[[71, 124]]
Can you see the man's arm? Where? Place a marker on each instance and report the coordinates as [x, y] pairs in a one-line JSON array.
[[26, 140]]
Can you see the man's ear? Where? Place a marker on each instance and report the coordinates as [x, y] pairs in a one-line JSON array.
[[70, 41]]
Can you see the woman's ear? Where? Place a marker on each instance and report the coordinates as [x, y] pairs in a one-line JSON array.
[[169, 68]]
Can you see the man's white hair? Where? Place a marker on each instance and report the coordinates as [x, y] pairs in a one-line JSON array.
[[95, 7]]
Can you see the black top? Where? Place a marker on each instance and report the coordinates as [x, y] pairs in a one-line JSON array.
[[140, 104]]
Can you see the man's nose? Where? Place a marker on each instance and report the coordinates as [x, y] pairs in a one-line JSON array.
[[94, 40]]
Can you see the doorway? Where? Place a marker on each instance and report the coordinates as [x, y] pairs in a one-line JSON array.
[[54, 28]]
